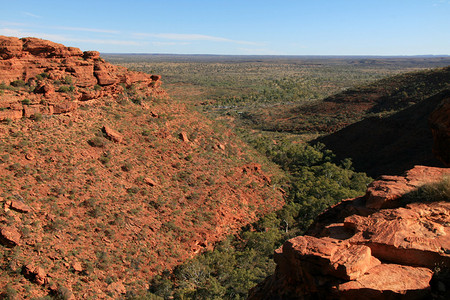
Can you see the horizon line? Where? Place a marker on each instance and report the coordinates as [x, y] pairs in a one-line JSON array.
[[292, 55]]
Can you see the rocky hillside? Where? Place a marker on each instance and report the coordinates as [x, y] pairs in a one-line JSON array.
[[333, 113], [389, 144], [392, 243], [106, 181]]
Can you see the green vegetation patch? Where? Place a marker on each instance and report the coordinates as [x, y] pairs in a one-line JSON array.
[[239, 263], [437, 191]]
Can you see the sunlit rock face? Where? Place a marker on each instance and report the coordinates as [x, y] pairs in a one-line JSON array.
[[382, 245], [53, 78]]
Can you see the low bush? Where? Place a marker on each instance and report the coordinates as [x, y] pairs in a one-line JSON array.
[[437, 191], [97, 142], [18, 83]]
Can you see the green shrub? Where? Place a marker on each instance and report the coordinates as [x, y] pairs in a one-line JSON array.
[[26, 101], [97, 142], [18, 83], [146, 132], [63, 89], [37, 117], [105, 158], [127, 166], [42, 76], [437, 191], [4, 86], [68, 80], [66, 89], [136, 100]]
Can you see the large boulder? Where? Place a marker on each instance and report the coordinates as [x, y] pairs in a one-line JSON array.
[[103, 75], [35, 273], [10, 236]]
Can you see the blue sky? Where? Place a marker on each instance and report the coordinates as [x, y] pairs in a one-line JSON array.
[[281, 27]]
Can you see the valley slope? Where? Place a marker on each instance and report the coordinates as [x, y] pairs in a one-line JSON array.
[[105, 180], [391, 243]]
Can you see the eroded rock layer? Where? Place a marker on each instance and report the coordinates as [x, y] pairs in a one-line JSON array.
[[380, 246], [43, 77]]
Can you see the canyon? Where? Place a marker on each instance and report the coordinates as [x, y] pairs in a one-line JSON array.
[[106, 181]]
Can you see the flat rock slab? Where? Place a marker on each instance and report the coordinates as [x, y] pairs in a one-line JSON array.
[[416, 235], [18, 205], [329, 256], [387, 190], [388, 281]]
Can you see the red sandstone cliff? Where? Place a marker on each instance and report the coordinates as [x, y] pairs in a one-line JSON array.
[[97, 200], [358, 250], [50, 78]]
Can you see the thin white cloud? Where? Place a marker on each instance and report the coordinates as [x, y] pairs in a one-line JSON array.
[[169, 43], [31, 15], [108, 42], [86, 29], [190, 37], [12, 32], [6, 23], [66, 39], [67, 28], [21, 33]]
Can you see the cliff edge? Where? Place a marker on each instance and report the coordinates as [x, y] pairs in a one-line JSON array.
[[43, 77], [358, 250]]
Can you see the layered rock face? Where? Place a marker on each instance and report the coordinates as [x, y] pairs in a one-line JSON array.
[[379, 246], [43, 77]]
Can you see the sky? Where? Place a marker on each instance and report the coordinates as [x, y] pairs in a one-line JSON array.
[[244, 27]]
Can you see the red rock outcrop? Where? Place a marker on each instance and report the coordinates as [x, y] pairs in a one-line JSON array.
[[184, 137], [379, 246], [386, 192], [35, 273], [48, 74], [18, 206], [9, 236], [112, 134]]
